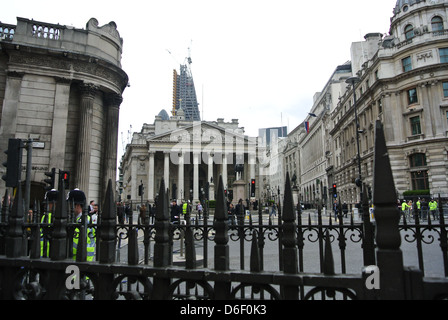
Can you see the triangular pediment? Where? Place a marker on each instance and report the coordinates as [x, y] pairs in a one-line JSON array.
[[199, 132]]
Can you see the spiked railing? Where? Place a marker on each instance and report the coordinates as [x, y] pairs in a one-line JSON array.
[[387, 216], [34, 277]]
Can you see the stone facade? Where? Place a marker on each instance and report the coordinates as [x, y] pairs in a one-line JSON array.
[[62, 87], [187, 155], [403, 81]]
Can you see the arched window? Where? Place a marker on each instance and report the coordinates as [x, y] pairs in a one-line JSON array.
[[409, 32], [437, 24]]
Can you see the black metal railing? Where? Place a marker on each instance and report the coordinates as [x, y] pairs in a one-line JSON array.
[[297, 256]]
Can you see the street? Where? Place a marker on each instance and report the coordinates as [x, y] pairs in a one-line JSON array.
[[432, 253]]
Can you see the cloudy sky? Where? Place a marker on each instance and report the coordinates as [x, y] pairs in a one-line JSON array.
[[259, 61]]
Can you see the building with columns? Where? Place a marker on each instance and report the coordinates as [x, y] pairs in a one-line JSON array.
[[62, 87], [189, 156], [402, 81]]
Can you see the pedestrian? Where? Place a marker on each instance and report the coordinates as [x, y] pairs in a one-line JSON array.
[[335, 209], [91, 207], [231, 214], [120, 212], [404, 208], [175, 212], [142, 215], [78, 198], [127, 212], [410, 207], [345, 209], [94, 214], [50, 198], [273, 210], [240, 211], [419, 207], [199, 208], [433, 209], [186, 209], [152, 213]]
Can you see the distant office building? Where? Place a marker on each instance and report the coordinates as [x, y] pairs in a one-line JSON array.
[[184, 94], [268, 134]]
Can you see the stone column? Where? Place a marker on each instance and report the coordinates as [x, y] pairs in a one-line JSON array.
[[224, 171], [211, 180], [112, 110], [60, 120], [134, 182], [196, 157], [166, 168], [151, 177], [88, 92], [180, 178]]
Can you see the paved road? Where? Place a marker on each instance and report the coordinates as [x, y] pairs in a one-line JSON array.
[[432, 254]]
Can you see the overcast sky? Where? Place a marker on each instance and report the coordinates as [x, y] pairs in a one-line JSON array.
[[259, 61]]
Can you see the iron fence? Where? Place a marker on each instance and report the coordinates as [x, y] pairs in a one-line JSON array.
[[221, 261]]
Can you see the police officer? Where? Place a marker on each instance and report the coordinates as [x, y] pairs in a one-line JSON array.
[[404, 208], [50, 197], [419, 207], [186, 208], [78, 198], [433, 209]]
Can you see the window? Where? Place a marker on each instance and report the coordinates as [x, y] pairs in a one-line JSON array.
[[380, 106], [412, 96], [445, 89], [409, 32], [407, 64], [415, 126], [417, 160], [437, 24], [443, 55], [419, 176], [420, 180]]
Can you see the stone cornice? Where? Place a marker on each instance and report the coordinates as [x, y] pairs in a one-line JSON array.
[[68, 65]]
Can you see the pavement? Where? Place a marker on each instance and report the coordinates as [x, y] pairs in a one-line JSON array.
[[308, 216]]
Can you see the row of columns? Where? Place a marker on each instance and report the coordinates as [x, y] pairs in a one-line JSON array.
[[181, 173]]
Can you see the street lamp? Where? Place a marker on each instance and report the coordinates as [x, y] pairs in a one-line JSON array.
[[352, 81]]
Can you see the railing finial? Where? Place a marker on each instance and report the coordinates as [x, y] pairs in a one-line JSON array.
[[387, 215]]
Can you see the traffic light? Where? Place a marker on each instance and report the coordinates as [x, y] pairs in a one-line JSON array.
[[335, 192], [50, 181], [13, 163], [252, 188], [65, 176]]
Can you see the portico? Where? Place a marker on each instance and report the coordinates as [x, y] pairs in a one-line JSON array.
[[190, 157]]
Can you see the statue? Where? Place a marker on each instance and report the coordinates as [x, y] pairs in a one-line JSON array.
[[239, 169], [294, 180]]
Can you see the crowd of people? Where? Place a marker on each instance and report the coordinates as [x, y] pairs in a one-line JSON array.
[[425, 209]]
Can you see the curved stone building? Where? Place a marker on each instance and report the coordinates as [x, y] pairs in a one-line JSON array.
[[62, 87]]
